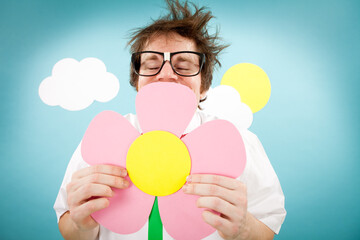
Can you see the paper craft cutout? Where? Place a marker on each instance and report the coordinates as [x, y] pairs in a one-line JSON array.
[[214, 155], [106, 141], [158, 163], [225, 102], [169, 109], [75, 85], [215, 147], [251, 82]]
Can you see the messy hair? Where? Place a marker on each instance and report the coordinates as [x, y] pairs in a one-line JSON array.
[[188, 24]]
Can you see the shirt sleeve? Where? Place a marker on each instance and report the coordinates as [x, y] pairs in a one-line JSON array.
[[76, 163], [266, 200]]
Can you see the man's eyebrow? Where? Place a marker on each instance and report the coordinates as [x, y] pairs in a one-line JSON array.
[[151, 57], [187, 58]]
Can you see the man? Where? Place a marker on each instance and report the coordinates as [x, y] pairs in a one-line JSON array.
[[177, 48]]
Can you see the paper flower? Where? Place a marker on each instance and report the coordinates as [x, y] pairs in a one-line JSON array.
[[159, 159]]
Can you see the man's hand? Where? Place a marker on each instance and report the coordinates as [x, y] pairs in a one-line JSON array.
[[226, 196], [88, 192]]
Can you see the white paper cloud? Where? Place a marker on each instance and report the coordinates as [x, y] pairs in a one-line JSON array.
[[224, 102], [76, 85]]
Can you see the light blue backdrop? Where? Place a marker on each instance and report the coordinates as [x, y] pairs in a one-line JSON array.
[[310, 127]]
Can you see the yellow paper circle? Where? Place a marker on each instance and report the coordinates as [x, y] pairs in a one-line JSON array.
[[251, 82], [158, 163]]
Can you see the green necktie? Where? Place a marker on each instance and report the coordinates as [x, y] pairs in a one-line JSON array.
[[155, 225]]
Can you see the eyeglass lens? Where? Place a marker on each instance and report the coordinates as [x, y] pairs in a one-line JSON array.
[[183, 63]]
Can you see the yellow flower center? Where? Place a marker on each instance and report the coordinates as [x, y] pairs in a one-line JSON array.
[[158, 163]]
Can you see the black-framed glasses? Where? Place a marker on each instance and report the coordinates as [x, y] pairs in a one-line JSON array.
[[184, 63]]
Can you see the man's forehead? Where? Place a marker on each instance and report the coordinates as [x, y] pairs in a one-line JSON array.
[[164, 40]]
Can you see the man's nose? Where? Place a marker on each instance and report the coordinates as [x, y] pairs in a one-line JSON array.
[[167, 73]]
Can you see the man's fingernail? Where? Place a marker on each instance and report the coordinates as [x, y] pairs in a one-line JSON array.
[[123, 173], [188, 178], [185, 188], [125, 183]]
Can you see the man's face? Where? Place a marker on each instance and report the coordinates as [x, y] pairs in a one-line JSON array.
[[172, 43]]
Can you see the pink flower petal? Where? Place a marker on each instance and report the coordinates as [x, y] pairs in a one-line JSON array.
[[216, 147], [129, 210], [181, 217], [107, 139], [165, 106]]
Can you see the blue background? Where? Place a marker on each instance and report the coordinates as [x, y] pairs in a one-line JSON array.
[[310, 127]]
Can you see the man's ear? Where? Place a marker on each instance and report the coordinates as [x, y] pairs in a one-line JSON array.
[[203, 95]]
